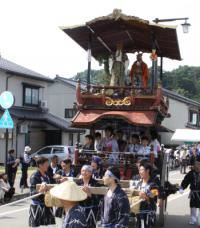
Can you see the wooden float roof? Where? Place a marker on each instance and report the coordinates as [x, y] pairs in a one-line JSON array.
[[136, 35]]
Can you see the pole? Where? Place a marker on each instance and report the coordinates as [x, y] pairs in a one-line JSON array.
[[6, 135], [6, 151], [89, 62], [161, 68], [157, 20]]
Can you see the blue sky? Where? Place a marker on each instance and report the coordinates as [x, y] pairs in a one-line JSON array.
[[29, 33]]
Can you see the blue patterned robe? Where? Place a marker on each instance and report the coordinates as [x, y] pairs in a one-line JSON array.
[[75, 218], [115, 210]]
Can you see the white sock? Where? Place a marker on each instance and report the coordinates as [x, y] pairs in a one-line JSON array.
[[193, 213], [198, 216]]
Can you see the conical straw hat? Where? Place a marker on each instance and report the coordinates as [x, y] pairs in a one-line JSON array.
[[69, 191]]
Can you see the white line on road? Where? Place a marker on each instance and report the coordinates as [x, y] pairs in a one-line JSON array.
[[177, 197], [14, 211]]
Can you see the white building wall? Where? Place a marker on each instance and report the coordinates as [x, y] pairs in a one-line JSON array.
[[65, 138], [20, 144], [2, 81], [179, 118], [16, 87], [60, 97]]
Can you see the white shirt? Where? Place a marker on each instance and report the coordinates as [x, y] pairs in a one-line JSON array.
[[156, 147], [134, 148], [144, 151], [3, 188]]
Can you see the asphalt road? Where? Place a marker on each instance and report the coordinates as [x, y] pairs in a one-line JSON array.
[[177, 217]]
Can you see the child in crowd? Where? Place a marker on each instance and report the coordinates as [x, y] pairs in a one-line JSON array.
[[145, 149], [89, 143], [134, 146]]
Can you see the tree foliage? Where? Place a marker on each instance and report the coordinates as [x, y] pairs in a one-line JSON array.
[[184, 80]]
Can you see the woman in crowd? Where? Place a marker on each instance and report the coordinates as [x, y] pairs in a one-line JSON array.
[[148, 204], [110, 145], [6, 192], [91, 204]]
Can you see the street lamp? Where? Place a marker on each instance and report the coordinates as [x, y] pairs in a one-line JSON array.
[[185, 25]]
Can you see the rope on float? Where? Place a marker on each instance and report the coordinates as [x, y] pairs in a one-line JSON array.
[[21, 200]]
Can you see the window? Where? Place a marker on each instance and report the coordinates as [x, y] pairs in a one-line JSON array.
[[71, 139], [70, 113], [46, 150], [193, 117], [31, 95], [58, 150]]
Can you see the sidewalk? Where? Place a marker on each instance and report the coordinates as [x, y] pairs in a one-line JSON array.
[[18, 192]]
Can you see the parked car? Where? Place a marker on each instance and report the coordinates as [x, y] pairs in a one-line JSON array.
[[63, 152]]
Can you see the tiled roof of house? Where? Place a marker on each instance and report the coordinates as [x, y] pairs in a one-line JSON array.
[[14, 68], [71, 82], [178, 97], [40, 115]]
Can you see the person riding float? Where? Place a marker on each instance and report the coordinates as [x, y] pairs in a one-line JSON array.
[[139, 73], [110, 145]]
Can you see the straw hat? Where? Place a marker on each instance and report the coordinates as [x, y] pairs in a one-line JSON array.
[[68, 191]]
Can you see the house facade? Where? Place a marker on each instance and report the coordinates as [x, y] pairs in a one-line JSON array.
[[184, 113], [34, 124]]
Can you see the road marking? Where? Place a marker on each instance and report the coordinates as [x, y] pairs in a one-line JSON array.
[[177, 197], [14, 211]]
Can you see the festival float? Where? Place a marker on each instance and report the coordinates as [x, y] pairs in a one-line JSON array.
[[133, 100]]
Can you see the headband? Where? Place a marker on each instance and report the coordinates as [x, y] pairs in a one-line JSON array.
[[96, 159], [110, 174]]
